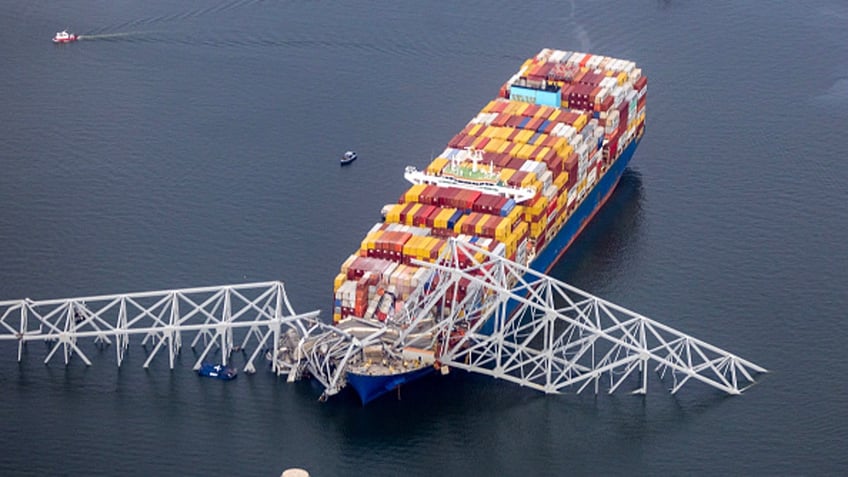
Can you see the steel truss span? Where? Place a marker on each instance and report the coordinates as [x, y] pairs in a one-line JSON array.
[[217, 320], [523, 326], [479, 311]]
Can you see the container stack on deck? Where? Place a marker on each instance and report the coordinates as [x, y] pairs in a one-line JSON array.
[[556, 127]]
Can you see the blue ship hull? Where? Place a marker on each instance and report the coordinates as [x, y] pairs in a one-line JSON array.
[[370, 387]]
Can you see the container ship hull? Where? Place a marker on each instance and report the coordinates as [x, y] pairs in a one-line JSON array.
[[521, 180], [584, 213]]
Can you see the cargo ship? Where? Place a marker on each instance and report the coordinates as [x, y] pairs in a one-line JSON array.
[[522, 179]]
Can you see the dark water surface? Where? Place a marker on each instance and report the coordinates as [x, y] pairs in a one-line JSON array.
[[189, 143]]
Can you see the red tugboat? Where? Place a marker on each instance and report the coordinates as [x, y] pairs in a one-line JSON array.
[[64, 37]]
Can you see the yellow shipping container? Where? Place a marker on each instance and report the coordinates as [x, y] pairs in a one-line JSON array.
[[435, 167], [337, 317], [524, 136], [411, 213], [529, 179], [543, 112], [489, 107], [477, 142], [493, 145], [475, 129], [561, 180], [503, 229], [411, 245], [488, 131], [441, 221], [536, 229], [393, 217], [520, 230], [415, 191], [561, 146], [580, 123], [370, 241], [622, 78], [514, 215], [555, 114], [338, 281], [478, 227], [504, 175], [503, 132], [526, 151], [538, 207], [458, 226], [519, 110]]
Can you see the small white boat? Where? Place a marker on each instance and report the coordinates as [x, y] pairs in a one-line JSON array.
[[348, 157], [64, 37]]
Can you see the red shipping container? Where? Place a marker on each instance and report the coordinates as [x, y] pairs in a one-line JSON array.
[[530, 111], [571, 166], [420, 219], [623, 111], [606, 104], [514, 121], [466, 142], [455, 141], [499, 106], [469, 198], [640, 83], [501, 120], [534, 124], [428, 195], [592, 78], [443, 195], [515, 163], [404, 211], [515, 179], [565, 93]]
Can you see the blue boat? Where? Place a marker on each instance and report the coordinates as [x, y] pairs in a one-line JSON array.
[[217, 371]]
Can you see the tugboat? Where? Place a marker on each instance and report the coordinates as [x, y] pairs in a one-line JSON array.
[[64, 37], [217, 371], [348, 157]]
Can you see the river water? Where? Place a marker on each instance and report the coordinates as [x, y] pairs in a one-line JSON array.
[[196, 143]]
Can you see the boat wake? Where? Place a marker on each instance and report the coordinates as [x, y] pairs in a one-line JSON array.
[[105, 36]]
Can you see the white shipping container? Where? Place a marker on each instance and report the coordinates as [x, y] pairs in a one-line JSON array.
[[594, 62], [554, 56], [546, 178], [550, 192], [576, 58], [593, 175], [635, 74], [557, 130], [582, 151]]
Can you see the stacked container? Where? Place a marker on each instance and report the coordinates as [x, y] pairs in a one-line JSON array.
[[560, 153]]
